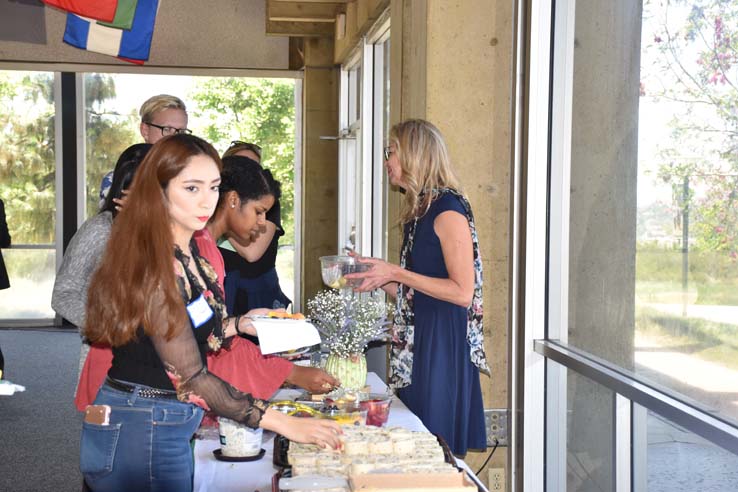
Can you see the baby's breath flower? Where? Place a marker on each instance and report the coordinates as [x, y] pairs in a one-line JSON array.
[[348, 323]]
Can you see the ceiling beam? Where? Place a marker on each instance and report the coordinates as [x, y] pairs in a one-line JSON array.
[[313, 1], [303, 12], [300, 29], [302, 18]]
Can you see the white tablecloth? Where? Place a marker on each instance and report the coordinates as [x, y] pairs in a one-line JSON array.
[[214, 475]]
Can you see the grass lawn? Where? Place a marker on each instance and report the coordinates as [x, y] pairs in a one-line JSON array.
[[712, 277], [707, 340]]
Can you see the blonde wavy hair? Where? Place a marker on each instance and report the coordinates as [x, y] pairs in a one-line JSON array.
[[424, 163], [158, 103]]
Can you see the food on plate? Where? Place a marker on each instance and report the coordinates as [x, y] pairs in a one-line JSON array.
[[295, 409], [347, 415], [285, 315]]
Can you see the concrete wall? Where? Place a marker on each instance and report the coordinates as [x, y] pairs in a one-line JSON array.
[[602, 220], [455, 69], [188, 33]]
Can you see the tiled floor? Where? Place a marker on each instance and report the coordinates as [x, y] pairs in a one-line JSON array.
[[681, 461]]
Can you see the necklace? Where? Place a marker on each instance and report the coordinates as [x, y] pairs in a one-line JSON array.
[[210, 291]]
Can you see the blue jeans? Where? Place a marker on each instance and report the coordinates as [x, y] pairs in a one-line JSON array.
[[146, 446]]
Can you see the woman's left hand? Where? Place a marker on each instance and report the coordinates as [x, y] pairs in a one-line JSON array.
[[380, 273], [121, 202]]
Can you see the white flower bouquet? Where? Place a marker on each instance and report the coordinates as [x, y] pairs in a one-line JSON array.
[[348, 323]]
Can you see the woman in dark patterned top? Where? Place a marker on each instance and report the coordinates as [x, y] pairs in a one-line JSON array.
[[156, 301]]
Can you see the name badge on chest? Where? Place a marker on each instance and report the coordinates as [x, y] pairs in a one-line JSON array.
[[199, 311]]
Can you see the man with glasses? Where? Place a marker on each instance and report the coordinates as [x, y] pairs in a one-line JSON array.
[[161, 116]]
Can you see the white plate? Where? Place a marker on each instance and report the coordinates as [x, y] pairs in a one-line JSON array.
[[294, 353]]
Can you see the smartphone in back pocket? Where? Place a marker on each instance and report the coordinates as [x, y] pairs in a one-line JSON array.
[[97, 414]]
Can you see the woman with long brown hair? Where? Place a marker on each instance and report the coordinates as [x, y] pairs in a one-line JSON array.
[[155, 300]]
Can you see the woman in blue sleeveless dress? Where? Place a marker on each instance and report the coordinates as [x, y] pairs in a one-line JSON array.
[[437, 346]]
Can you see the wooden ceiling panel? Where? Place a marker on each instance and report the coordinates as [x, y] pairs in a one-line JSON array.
[[302, 18]]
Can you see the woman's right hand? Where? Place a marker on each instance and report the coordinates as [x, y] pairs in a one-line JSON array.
[[312, 379], [321, 432], [380, 274]]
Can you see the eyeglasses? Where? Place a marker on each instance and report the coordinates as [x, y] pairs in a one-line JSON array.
[[170, 130], [246, 146], [388, 152]]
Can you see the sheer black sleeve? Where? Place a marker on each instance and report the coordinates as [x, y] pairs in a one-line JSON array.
[[194, 384]]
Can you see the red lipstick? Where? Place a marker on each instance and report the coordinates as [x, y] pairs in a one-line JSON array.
[[204, 218]]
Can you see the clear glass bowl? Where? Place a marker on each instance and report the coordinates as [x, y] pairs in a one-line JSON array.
[[377, 408], [334, 268]]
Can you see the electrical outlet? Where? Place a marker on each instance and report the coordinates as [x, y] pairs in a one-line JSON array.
[[496, 479], [495, 420]]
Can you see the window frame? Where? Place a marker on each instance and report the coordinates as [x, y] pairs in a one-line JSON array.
[[73, 210], [540, 252], [362, 181]]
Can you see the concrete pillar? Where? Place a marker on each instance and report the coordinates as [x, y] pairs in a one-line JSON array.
[[320, 162], [602, 221]]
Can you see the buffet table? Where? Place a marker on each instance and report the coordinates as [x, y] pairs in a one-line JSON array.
[[214, 475]]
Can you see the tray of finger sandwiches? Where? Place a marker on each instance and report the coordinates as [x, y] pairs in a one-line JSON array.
[[371, 459]]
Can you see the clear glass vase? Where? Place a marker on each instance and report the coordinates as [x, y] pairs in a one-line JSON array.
[[350, 371]]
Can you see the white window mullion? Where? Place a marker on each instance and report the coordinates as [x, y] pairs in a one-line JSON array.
[[379, 203], [558, 282], [375, 56], [364, 221], [343, 192], [639, 449], [531, 256], [622, 439]]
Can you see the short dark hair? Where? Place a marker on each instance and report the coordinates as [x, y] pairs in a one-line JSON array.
[[123, 174], [248, 179]]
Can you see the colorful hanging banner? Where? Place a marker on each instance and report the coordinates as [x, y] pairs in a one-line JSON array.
[[103, 10], [134, 44], [123, 15]]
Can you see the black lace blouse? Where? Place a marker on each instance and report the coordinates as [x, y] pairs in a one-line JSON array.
[[180, 363]]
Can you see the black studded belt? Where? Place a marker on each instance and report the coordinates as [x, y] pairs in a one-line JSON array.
[[142, 392]]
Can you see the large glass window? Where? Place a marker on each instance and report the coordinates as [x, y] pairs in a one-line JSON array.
[[686, 270], [220, 109], [653, 224], [641, 254], [381, 108], [28, 189], [364, 123]]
